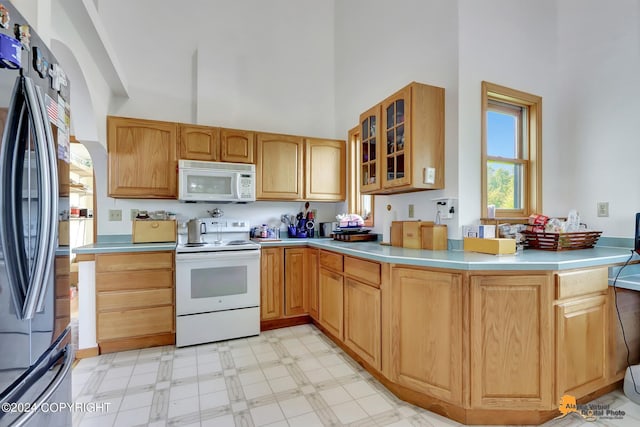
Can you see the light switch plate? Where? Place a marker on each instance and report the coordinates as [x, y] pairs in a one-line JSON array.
[[430, 175]]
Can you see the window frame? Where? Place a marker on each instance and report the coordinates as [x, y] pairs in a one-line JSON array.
[[531, 156], [355, 198]]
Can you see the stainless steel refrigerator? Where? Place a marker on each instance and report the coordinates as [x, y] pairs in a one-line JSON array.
[[35, 354]]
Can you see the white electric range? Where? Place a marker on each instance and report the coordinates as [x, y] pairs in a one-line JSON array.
[[217, 284]]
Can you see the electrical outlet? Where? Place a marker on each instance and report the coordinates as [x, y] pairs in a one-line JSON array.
[[603, 209], [133, 213], [445, 208], [411, 211], [115, 214]]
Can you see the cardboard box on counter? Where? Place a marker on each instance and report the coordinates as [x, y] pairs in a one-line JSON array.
[[154, 231], [490, 246], [481, 231]]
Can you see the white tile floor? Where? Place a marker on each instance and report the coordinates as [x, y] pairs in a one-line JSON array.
[[285, 377]]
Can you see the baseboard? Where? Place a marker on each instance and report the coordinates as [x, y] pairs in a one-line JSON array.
[[266, 325], [113, 346], [84, 353]]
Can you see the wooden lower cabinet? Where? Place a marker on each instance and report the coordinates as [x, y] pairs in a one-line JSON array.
[[511, 341], [271, 283], [289, 284], [362, 327], [426, 332], [312, 283], [330, 289], [581, 345], [63, 303], [135, 300], [295, 291]]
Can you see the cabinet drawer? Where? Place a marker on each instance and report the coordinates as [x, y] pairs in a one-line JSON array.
[[62, 265], [129, 280], [133, 323], [331, 260], [581, 282], [62, 286], [127, 261], [108, 301], [367, 271], [63, 307]]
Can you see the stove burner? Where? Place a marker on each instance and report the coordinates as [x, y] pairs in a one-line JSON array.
[[237, 242], [193, 245]]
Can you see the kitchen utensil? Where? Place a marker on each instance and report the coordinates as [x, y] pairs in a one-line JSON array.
[[216, 213], [325, 229], [285, 220], [195, 229]]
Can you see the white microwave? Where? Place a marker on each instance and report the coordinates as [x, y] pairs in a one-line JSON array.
[[216, 182]]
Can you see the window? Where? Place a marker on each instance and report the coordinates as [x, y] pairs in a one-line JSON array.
[[511, 152], [361, 204]]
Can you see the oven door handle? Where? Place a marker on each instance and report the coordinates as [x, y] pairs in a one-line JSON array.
[[220, 255]]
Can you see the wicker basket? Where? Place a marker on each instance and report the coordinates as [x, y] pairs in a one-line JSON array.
[[561, 241]]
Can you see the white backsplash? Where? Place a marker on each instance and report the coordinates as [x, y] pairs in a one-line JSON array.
[[256, 213]]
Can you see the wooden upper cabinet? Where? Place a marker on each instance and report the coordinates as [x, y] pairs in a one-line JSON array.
[[236, 146], [279, 167], [369, 150], [199, 143], [409, 151], [142, 158], [325, 169]]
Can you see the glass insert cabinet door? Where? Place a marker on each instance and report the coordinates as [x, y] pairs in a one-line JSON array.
[[395, 162], [370, 150]]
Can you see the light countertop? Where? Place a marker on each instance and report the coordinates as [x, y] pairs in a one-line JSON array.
[[456, 259], [453, 259]]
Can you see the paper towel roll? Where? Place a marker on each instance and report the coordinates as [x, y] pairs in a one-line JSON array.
[[389, 215]]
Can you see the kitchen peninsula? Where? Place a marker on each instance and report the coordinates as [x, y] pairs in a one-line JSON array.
[[470, 336], [474, 337]]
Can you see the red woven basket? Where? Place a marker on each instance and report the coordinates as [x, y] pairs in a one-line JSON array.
[[561, 241]]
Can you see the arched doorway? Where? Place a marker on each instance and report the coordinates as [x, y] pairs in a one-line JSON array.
[[80, 203]]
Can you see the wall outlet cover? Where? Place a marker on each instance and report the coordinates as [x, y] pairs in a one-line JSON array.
[[603, 209], [115, 214]]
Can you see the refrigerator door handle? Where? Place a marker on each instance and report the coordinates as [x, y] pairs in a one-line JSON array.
[[52, 197], [45, 239], [10, 238], [46, 395]]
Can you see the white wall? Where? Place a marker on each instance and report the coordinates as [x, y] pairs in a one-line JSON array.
[[312, 67], [380, 47], [511, 43], [600, 135], [250, 65]]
